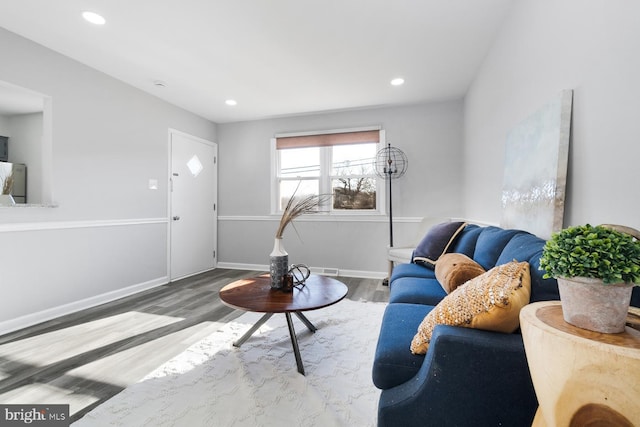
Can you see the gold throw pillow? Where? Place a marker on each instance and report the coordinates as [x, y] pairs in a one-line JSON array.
[[491, 301], [453, 270]]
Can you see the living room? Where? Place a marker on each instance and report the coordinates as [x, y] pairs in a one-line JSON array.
[[107, 237]]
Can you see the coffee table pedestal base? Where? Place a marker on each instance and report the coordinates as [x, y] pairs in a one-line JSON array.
[[292, 334]]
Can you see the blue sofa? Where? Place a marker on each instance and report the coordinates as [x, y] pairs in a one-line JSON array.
[[468, 377]]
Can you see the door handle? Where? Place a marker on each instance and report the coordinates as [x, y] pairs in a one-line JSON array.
[[176, 218]]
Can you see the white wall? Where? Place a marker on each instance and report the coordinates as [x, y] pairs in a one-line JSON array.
[[545, 46], [431, 137], [108, 236]]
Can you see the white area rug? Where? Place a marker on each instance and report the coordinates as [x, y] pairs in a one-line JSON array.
[[215, 384]]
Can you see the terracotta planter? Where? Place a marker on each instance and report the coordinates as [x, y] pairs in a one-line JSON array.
[[589, 304]]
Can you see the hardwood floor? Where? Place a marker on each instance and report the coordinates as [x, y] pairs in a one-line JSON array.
[[87, 357]]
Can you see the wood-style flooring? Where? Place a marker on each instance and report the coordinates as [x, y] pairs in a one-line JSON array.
[[87, 357]]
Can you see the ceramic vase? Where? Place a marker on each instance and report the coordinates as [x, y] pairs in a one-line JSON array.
[[278, 265], [6, 200], [589, 304]]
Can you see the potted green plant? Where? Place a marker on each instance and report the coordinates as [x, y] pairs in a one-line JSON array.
[[596, 268]]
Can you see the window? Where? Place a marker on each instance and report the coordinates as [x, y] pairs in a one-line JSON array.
[[340, 163]]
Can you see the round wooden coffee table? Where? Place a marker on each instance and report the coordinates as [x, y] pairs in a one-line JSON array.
[[255, 294]]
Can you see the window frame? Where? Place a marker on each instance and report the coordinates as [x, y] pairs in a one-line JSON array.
[[325, 176]]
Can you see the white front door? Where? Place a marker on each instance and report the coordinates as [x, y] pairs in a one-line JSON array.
[[193, 212]]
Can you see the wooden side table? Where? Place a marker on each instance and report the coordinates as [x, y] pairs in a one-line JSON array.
[[582, 377]]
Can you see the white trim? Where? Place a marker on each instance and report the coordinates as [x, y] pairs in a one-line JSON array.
[[323, 218], [170, 132], [61, 225], [188, 135], [381, 183], [274, 178], [364, 274], [242, 266], [368, 217], [341, 273], [317, 218], [30, 205], [324, 180], [326, 132], [72, 307]]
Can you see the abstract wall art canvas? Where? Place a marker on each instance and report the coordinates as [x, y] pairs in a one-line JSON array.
[[535, 173]]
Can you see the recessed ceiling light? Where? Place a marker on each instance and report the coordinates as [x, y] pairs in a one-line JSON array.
[[397, 81], [231, 102], [94, 18]]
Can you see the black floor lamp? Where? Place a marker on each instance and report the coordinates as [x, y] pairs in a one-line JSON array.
[[391, 163]]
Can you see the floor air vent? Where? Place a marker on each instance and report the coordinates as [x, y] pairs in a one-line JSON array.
[[329, 271]]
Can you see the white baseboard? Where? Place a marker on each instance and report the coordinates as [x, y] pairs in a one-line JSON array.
[[54, 312], [361, 274], [317, 270], [242, 266]]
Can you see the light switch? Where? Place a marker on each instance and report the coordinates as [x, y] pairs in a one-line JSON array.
[[153, 184]]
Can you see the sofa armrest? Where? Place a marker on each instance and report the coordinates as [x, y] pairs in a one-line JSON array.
[[400, 254], [468, 377]]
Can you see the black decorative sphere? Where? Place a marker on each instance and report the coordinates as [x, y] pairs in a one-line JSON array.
[[391, 163]]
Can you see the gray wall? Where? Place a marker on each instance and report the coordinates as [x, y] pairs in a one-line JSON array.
[[108, 235], [4, 125], [545, 46], [431, 137]]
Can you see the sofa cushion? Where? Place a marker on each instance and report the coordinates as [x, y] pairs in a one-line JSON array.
[[527, 247], [490, 245], [491, 302], [436, 242], [453, 270], [466, 241], [416, 290], [393, 364], [411, 270], [521, 247]]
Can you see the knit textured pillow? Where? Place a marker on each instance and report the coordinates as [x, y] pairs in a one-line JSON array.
[[453, 270], [491, 301]]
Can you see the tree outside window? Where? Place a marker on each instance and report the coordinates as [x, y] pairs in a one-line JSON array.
[[353, 179]]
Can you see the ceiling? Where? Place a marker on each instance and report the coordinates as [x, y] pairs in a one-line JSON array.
[[274, 57]]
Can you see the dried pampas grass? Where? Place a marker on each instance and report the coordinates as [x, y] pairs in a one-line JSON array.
[[296, 207], [7, 185]]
